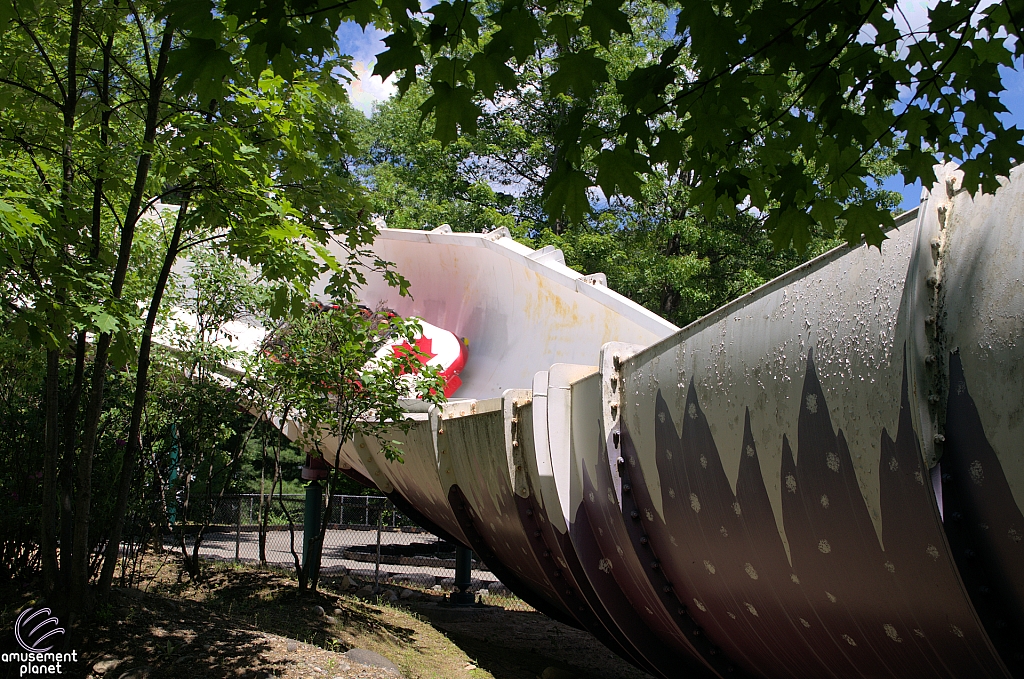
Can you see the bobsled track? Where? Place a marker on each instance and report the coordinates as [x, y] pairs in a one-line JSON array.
[[821, 479]]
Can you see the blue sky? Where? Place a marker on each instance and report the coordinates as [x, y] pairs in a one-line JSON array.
[[365, 90]]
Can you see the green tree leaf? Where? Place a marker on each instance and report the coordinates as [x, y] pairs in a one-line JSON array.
[[577, 73], [567, 193], [452, 107], [603, 17]]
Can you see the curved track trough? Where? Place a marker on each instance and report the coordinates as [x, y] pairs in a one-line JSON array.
[[820, 479]]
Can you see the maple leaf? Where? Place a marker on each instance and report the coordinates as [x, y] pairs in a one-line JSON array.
[[603, 17], [621, 168], [489, 72], [403, 53], [453, 107], [567, 193], [577, 72]]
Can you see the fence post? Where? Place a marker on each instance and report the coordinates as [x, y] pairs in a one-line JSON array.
[[376, 570], [366, 518], [238, 525]]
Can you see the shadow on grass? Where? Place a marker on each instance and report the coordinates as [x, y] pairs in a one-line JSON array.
[[274, 604], [514, 644]]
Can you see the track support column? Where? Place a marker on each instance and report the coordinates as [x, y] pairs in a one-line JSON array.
[[311, 527], [461, 596]]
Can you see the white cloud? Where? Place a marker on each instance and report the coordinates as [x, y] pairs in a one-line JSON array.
[[365, 89]]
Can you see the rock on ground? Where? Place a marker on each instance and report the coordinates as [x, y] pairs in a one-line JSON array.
[[105, 665], [367, 657]]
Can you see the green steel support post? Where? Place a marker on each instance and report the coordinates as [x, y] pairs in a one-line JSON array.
[[311, 527], [461, 596]]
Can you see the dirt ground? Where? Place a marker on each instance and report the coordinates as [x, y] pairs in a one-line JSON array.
[[246, 623]]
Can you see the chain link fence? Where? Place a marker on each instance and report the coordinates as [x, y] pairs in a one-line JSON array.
[[367, 539]]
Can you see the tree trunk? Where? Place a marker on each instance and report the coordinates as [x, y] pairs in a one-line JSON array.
[[132, 215], [83, 497], [263, 500], [67, 463], [47, 545], [316, 549], [70, 112], [139, 403]]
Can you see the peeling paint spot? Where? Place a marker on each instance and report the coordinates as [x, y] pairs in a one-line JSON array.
[[812, 403], [698, 604], [753, 611], [790, 483], [824, 547], [849, 639], [710, 566], [750, 451], [831, 597], [832, 460], [805, 623], [750, 571], [957, 631], [889, 566], [932, 551], [977, 472], [796, 580], [692, 410], [695, 503], [703, 462], [891, 632], [894, 464], [672, 492], [824, 501], [736, 508], [605, 566]]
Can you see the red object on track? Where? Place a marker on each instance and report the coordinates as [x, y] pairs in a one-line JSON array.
[[436, 347]]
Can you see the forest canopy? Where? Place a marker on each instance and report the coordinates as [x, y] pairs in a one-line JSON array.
[[775, 105]]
